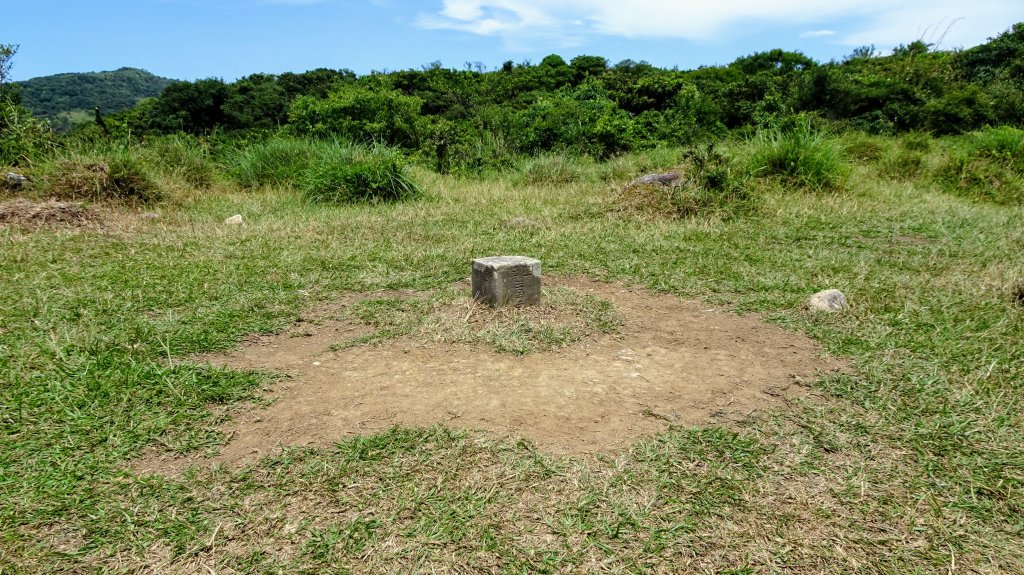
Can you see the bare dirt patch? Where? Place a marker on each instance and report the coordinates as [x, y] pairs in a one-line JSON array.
[[23, 212], [669, 362]]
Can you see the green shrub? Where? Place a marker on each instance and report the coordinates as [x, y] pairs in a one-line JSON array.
[[359, 175], [362, 114], [584, 121], [710, 187], [981, 178], [799, 155], [963, 108], [274, 162], [901, 164], [904, 158], [916, 141]]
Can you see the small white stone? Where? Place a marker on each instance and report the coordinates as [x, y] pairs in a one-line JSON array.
[[234, 220], [830, 300]]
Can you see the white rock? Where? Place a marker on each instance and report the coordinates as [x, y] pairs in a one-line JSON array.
[[234, 220], [828, 300]]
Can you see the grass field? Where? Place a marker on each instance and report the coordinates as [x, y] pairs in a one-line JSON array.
[[910, 463]]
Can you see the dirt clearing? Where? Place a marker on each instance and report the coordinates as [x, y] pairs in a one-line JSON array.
[[23, 212], [670, 361]]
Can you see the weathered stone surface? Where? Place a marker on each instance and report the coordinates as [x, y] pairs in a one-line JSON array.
[[828, 300], [666, 179], [502, 281], [12, 180], [234, 220]]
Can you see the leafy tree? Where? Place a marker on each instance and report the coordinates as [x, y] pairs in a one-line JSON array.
[[584, 67], [584, 121], [193, 107], [7, 92], [1001, 57], [318, 82], [362, 114], [256, 101]]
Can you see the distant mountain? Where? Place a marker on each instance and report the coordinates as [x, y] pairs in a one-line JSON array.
[[68, 99]]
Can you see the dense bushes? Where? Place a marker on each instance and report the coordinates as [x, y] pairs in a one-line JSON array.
[[361, 114], [454, 118], [339, 137]]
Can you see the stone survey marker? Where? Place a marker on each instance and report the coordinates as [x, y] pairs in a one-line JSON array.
[[502, 281]]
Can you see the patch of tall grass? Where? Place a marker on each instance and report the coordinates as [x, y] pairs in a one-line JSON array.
[[277, 161], [987, 164], [182, 158], [799, 155], [552, 169], [354, 174]]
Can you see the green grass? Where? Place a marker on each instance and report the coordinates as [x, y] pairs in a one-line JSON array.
[[910, 464]]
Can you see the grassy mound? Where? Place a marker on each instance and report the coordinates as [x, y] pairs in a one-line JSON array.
[[116, 175], [708, 186], [564, 317]]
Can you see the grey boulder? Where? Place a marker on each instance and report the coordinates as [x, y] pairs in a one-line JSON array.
[[830, 300]]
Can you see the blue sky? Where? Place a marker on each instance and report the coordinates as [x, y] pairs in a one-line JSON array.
[[189, 39]]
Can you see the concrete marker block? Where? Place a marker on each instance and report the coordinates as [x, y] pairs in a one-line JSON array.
[[501, 281]]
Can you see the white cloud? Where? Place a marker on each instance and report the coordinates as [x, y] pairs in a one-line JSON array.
[[852, 22], [817, 33]]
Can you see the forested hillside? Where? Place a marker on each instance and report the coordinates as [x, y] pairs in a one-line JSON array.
[[68, 99]]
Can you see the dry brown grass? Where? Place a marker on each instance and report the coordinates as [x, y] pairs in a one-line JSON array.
[[51, 212]]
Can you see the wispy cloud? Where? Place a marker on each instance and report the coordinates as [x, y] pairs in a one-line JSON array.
[[817, 33], [853, 22]]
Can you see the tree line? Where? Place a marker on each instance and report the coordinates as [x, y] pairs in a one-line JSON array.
[[471, 118]]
